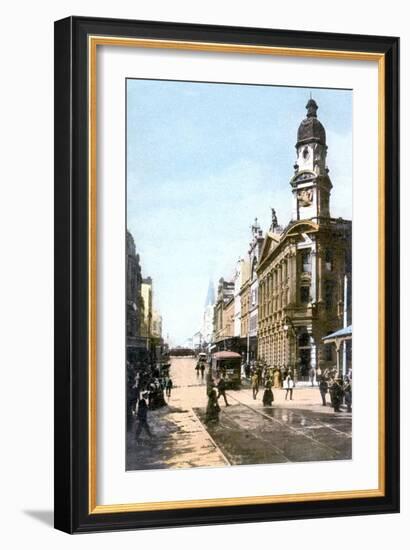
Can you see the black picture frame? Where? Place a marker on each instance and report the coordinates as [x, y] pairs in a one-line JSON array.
[[71, 415]]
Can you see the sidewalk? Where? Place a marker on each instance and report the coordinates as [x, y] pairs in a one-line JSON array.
[[179, 438], [304, 397]]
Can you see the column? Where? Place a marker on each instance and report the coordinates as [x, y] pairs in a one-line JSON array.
[[314, 273], [292, 276], [319, 256]]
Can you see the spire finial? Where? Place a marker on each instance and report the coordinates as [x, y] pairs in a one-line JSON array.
[[311, 107]]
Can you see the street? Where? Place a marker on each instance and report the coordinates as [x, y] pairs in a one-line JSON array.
[[247, 433]]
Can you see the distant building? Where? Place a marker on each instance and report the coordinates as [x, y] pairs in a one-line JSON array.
[[223, 314], [135, 302], [156, 324], [254, 253], [146, 292], [207, 331], [248, 295], [240, 274], [304, 270]]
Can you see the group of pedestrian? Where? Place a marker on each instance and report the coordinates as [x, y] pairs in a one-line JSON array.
[[339, 389], [154, 394], [148, 394], [277, 380], [200, 368]]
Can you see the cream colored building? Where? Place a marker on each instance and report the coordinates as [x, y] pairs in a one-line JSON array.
[[146, 293], [156, 324], [304, 271]]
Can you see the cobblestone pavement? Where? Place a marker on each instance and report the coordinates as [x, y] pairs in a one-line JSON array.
[[248, 433]]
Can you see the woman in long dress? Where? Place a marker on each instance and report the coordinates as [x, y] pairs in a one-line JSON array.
[[213, 408], [267, 394], [276, 378]]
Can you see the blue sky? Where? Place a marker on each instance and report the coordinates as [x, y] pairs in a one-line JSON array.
[[203, 160]]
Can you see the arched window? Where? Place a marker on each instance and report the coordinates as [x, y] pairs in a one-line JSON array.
[[304, 339], [329, 259], [306, 261]]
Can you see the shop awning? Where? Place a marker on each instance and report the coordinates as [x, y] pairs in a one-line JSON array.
[[340, 335]]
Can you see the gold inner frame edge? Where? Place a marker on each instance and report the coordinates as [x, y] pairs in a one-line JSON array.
[[93, 42]]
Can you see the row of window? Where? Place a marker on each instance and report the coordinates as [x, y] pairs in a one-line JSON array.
[[306, 260], [281, 300]]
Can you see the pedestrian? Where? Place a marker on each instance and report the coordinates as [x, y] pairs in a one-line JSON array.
[[259, 373], [168, 387], [255, 384], [276, 378], [268, 393], [336, 394], [323, 388], [213, 408], [221, 389], [247, 371], [347, 390], [289, 385], [283, 374], [136, 389], [142, 417], [312, 376], [202, 367]]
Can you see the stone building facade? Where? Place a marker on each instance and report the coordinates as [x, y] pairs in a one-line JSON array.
[[304, 271], [135, 304], [208, 316], [224, 313], [156, 325], [248, 296], [147, 296]]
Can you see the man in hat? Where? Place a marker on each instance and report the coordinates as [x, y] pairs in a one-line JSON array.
[[336, 394], [323, 387], [347, 390], [255, 384], [142, 417], [222, 389]]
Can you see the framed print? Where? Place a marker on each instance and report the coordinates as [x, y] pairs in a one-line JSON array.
[[226, 211]]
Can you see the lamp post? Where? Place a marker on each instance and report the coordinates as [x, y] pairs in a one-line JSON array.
[[292, 351]]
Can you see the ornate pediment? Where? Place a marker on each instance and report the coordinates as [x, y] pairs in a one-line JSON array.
[[270, 243], [304, 176], [300, 228]]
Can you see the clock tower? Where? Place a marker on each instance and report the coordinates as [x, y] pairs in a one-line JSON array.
[[311, 184]]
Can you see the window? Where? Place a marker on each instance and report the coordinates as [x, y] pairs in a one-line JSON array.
[[329, 295], [306, 261], [304, 338], [329, 260], [304, 294], [348, 261], [328, 350]]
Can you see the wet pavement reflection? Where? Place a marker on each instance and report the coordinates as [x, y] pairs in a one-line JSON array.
[[247, 433]]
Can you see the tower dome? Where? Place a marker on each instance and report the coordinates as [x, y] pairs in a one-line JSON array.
[[311, 129]]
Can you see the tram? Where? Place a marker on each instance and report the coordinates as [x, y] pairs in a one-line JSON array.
[[227, 364]]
